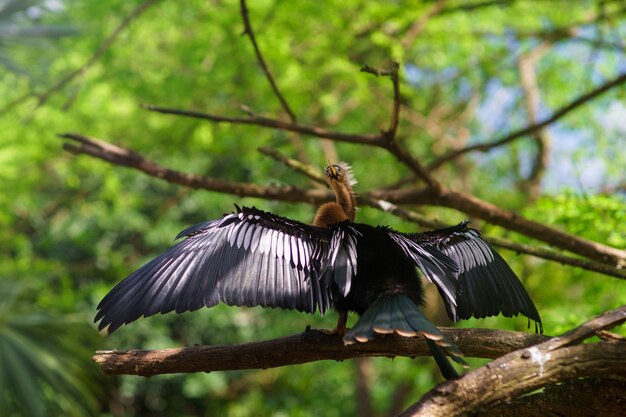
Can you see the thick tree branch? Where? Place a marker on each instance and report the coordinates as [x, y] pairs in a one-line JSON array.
[[487, 146], [535, 251], [124, 157], [301, 348], [558, 359], [597, 397], [476, 207]]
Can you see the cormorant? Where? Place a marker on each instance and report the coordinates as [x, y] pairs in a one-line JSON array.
[[255, 258]]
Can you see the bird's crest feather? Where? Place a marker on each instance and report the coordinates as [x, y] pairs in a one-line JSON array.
[[348, 173]]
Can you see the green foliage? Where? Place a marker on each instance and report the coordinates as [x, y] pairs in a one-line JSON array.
[[23, 37], [596, 217], [44, 359], [71, 227]]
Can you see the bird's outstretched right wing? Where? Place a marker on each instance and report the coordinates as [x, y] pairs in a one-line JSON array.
[[247, 258], [487, 285]]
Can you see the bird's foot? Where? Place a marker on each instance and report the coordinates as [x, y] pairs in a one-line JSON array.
[[340, 331], [337, 331]]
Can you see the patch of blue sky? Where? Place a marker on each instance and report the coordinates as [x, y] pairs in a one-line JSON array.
[[574, 162]]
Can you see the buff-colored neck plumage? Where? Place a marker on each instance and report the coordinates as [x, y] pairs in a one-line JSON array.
[[341, 180]]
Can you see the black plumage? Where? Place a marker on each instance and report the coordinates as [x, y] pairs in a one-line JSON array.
[[486, 285], [254, 258]]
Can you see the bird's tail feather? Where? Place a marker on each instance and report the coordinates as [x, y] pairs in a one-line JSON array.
[[398, 314], [446, 368]]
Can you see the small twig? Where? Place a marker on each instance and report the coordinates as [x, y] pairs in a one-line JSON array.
[[610, 336], [389, 141], [392, 73], [605, 321], [16, 102], [390, 134], [301, 348], [305, 169], [487, 146], [416, 166], [364, 139], [381, 72], [250, 32]]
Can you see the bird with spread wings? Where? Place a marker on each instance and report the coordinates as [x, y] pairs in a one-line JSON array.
[[255, 258]]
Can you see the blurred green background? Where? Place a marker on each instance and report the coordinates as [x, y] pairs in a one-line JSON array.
[[71, 227]]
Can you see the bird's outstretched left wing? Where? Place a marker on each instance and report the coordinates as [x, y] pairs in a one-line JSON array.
[[487, 286], [247, 258]]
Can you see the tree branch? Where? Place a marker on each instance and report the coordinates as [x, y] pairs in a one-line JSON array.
[[558, 359], [124, 157], [363, 139], [305, 347], [487, 146], [535, 251], [437, 194], [382, 199], [598, 397], [423, 221], [388, 139], [476, 207], [551, 255], [259, 57], [392, 73]]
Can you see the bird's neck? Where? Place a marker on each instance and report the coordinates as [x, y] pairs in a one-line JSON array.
[[333, 213], [345, 199]]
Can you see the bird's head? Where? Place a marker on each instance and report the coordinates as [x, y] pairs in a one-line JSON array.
[[339, 173]]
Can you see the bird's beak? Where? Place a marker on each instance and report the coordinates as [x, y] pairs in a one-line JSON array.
[[331, 170]]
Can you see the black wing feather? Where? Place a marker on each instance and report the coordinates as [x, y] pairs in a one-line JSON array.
[[487, 286], [246, 258], [437, 266]]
